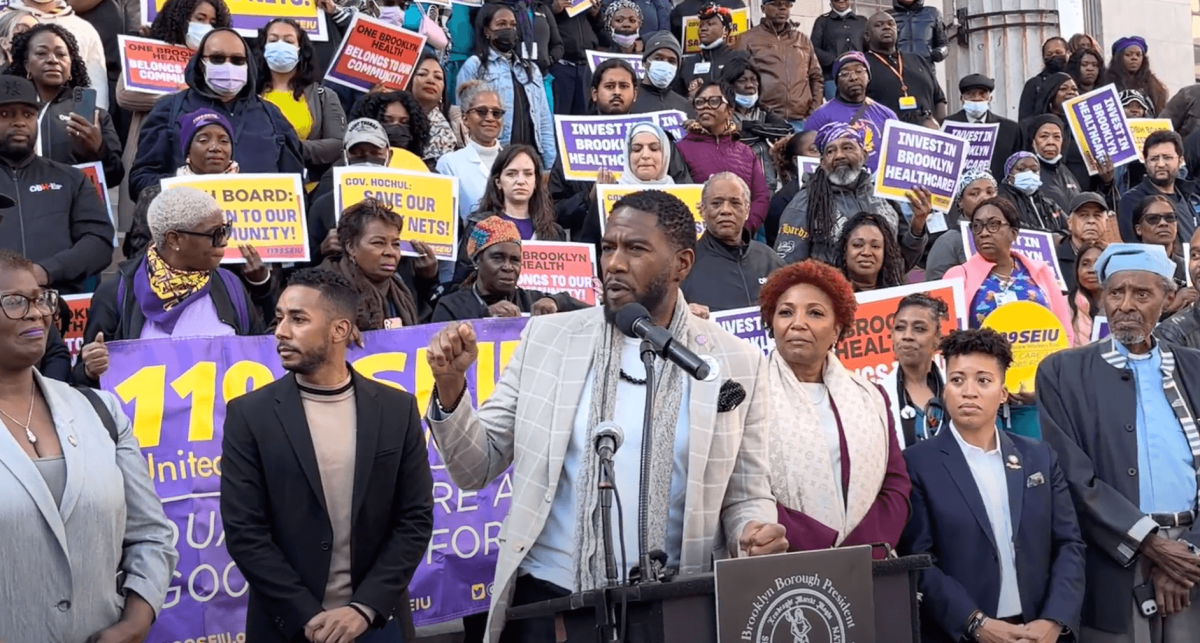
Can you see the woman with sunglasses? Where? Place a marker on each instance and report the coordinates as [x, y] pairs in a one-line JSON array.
[[711, 147], [483, 115], [220, 77], [1155, 223], [176, 289]]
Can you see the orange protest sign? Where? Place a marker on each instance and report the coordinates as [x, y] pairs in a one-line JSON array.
[[153, 66], [79, 305], [375, 52]]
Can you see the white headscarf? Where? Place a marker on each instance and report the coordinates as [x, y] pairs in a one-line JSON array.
[[627, 176]]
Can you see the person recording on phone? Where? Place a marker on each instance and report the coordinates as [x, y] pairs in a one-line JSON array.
[[574, 371]]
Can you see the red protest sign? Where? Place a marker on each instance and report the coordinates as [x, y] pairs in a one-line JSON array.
[[79, 305], [153, 66], [375, 52], [555, 266]]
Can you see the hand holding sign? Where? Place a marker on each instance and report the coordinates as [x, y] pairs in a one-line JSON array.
[[921, 202]]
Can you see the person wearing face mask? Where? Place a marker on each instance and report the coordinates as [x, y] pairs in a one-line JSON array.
[[791, 86], [537, 34], [1163, 151], [288, 79], [1053, 94], [91, 47], [623, 20], [716, 23], [976, 186], [1022, 186], [1054, 56], [758, 127], [661, 88], [1046, 136], [528, 121], [406, 124], [581, 32], [976, 92], [220, 77], [835, 33]]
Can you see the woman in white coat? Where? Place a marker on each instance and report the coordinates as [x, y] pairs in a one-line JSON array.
[[914, 387]]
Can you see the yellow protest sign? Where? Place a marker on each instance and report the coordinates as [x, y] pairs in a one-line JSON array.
[[266, 211], [608, 195], [427, 203], [691, 29], [1034, 332], [1142, 128], [248, 16]]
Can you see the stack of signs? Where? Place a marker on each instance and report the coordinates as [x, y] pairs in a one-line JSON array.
[[375, 52], [1098, 125]]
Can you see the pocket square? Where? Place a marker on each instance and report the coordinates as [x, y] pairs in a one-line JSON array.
[[732, 394], [1035, 480]]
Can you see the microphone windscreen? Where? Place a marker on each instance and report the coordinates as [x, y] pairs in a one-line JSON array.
[[628, 316]]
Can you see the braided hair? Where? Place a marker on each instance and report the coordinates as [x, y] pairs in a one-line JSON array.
[[374, 106], [821, 205], [891, 273], [171, 23], [20, 54]]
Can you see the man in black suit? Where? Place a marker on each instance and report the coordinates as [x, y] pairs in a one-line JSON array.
[[1120, 414], [995, 512], [976, 91], [326, 493]]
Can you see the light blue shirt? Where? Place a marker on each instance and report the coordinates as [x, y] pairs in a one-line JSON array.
[[551, 558], [1167, 480], [471, 170]]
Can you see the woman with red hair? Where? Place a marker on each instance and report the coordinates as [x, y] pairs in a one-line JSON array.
[[836, 469]]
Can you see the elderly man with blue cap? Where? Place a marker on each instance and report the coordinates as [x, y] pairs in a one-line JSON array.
[[839, 188], [1121, 414]]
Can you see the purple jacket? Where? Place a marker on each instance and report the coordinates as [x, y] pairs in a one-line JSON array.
[[707, 155]]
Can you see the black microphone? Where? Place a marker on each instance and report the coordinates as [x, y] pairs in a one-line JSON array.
[[634, 321], [608, 439]]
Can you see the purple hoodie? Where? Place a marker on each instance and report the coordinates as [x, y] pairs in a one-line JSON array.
[[707, 155]]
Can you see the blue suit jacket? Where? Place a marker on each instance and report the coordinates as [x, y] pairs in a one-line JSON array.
[[949, 522]]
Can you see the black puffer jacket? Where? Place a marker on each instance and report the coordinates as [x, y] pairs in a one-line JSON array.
[[919, 30]]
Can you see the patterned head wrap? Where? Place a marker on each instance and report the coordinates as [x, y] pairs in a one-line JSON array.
[[970, 176], [489, 232], [712, 10], [1013, 160], [618, 5], [1125, 43], [851, 57], [1134, 96], [831, 132]]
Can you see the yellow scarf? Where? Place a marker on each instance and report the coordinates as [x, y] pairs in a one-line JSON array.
[[170, 285]]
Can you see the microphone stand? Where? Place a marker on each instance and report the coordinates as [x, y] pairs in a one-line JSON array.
[[648, 570], [607, 486]]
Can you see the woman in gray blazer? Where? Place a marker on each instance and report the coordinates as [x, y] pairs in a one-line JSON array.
[[86, 548]]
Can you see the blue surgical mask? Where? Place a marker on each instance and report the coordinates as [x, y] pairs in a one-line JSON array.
[[195, 33], [746, 102], [281, 56], [1027, 182], [975, 108], [660, 73]]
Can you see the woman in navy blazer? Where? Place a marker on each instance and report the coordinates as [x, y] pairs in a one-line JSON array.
[[994, 511]]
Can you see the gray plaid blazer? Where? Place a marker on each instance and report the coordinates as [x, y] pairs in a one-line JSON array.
[[528, 420]]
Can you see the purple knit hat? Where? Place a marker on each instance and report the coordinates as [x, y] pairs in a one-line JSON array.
[[1125, 43], [851, 57], [193, 122]]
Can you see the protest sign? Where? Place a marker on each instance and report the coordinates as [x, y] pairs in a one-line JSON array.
[[266, 210], [94, 171], [248, 16], [1098, 125], [982, 140], [588, 143], [691, 30], [374, 52], [577, 7], [672, 122], [1033, 244], [153, 66], [1100, 329], [1142, 128], [806, 165], [594, 59], [912, 155], [1034, 333], [79, 305], [558, 266], [427, 202], [608, 195], [745, 323], [175, 391]]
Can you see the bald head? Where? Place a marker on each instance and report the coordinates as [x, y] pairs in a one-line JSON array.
[[881, 32]]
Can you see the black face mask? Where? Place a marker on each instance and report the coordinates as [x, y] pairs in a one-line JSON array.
[[1055, 64], [505, 40], [398, 135]]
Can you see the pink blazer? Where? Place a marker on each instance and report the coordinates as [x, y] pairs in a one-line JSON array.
[[976, 270]]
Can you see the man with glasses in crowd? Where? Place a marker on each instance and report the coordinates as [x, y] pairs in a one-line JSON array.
[[1163, 151], [851, 105]]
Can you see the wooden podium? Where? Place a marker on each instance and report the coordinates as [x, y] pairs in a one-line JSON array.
[[684, 610]]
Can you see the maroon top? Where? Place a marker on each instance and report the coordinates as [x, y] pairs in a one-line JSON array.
[[707, 155]]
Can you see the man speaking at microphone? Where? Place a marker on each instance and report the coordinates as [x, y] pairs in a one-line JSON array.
[[574, 371]]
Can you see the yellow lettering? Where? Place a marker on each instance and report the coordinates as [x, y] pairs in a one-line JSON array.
[[245, 372], [372, 365], [199, 383], [146, 387]]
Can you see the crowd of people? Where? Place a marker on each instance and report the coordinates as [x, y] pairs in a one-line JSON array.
[[1081, 488]]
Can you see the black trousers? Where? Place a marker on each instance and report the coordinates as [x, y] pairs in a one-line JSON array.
[[532, 630]]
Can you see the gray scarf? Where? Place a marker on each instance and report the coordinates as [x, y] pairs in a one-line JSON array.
[[668, 396]]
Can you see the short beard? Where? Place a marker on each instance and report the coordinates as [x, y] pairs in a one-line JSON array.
[[1166, 183], [651, 298], [11, 152], [1129, 338], [844, 176], [310, 362]]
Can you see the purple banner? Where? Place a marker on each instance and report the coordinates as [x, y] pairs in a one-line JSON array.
[[1033, 244], [1098, 124], [745, 323], [635, 60], [982, 140], [175, 393], [248, 16], [587, 144], [912, 156]]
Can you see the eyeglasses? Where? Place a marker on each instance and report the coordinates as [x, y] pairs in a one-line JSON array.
[[992, 226], [482, 112], [852, 73], [16, 306], [218, 235], [712, 102], [1155, 219], [221, 59]]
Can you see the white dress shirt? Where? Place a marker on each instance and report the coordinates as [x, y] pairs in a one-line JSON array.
[[987, 468]]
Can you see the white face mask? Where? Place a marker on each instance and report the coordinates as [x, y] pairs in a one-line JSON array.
[[843, 14], [975, 108], [713, 45], [660, 73], [1053, 161], [195, 33]]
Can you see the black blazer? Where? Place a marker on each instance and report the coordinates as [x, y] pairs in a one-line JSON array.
[[1088, 413], [274, 513], [1008, 140], [949, 521]]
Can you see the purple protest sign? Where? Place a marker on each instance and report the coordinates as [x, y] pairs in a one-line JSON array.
[[1100, 329], [1098, 124], [594, 59], [912, 156], [671, 122], [745, 323], [982, 140], [1033, 244], [588, 143], [175, 391]]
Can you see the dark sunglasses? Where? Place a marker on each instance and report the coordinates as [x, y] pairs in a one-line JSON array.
[[1155, 219], [482, 112], [219, 235], [221, 59]]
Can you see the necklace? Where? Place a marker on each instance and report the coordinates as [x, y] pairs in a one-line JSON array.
[[631, 379], [28, 419]]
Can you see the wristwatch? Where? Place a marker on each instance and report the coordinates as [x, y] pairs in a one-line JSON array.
[[974, 623]]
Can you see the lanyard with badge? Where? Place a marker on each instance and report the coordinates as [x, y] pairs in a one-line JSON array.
[[1005, 295], [906, 102]]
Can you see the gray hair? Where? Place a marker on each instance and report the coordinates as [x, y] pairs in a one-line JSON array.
[[727, 176], [180, 208], [470, 91]]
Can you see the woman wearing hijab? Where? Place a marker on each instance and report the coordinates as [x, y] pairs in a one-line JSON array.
[[1130, 69]]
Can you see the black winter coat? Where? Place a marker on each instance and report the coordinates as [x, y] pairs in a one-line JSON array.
[[919, 30], [725, 277]]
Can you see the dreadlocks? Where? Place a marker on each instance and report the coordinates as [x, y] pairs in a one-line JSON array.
[[821, 206]]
